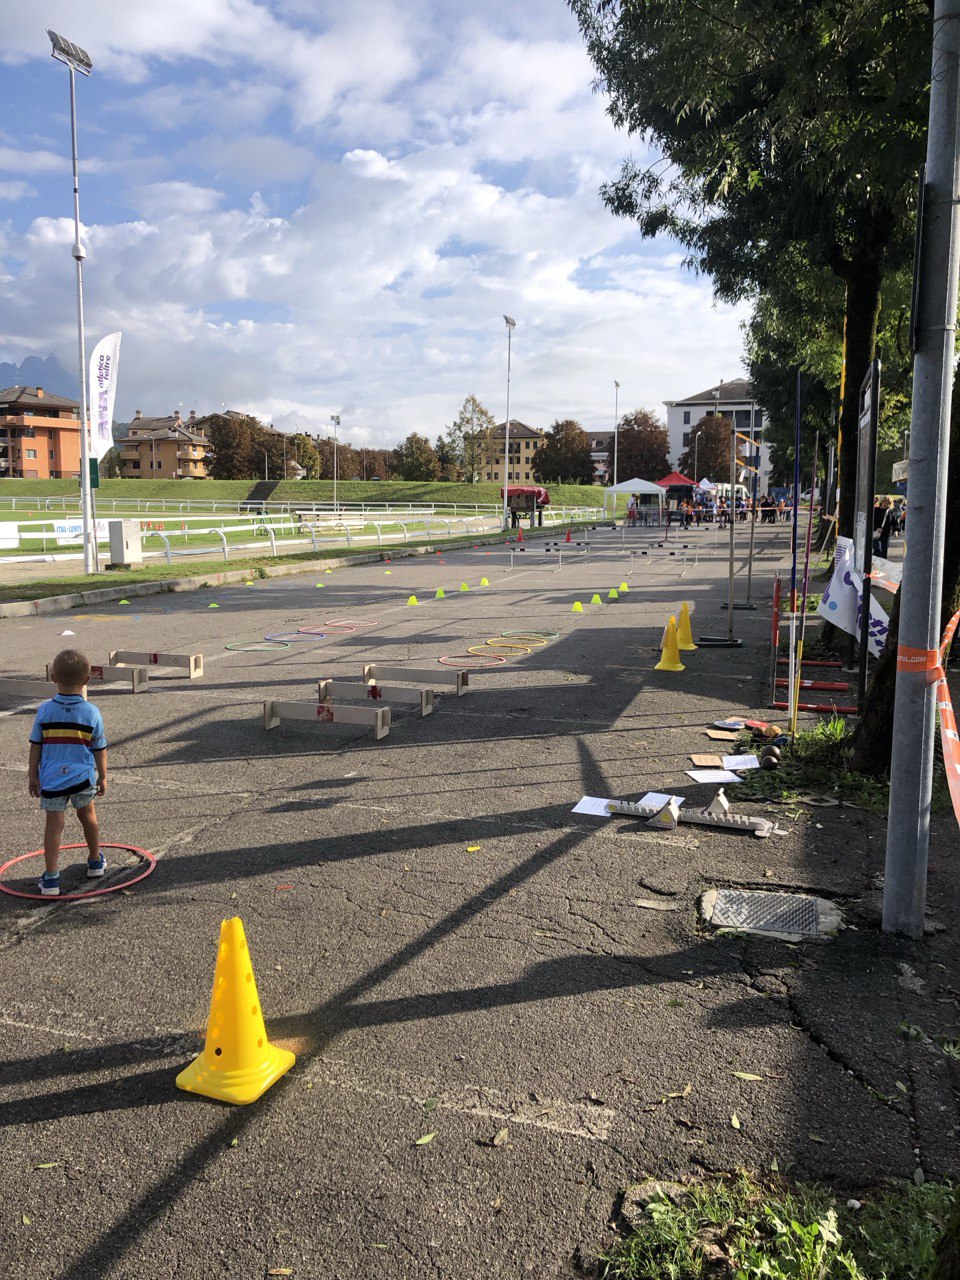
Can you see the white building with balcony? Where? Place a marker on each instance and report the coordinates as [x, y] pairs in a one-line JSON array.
[[732, 400]]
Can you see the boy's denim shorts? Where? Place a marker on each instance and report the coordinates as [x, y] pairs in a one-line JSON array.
[[79, 800]]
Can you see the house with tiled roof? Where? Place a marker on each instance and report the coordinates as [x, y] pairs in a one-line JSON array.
[[170, 448], [524, 443], [733, 400], [39, 435]]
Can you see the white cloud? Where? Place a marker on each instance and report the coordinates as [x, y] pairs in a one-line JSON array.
[[15, 190]]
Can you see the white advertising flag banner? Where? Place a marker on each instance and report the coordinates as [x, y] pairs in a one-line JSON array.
[[103, 390], [842, 601]]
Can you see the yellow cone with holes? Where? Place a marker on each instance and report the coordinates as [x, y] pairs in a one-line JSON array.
[[624, 589], [670, 657], [413, 600], [684, 634], [441, 594], [464, 587], [613, 594], [238, 1062], [484, 582]]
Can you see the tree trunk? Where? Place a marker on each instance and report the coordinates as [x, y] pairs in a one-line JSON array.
[[863, 279], [947, 1263], [873, 740]]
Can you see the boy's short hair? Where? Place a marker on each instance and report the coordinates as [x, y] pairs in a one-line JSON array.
[[71, 667]]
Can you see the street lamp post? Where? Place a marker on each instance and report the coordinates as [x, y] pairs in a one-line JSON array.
[[335, 419], [696, 449], [511, 325], [616, 429], [76, 59]]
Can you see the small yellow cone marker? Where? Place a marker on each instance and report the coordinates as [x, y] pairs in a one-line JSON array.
[[441, 594], [388, 572], [623, 589], [413, 600], [464, 587], [319, 584], [612, 594], [328, 571], [238, 1062], [213, 606], [670, 657], [484, 582], [577, 607], [596, 600], [123, 602], [684, 634]]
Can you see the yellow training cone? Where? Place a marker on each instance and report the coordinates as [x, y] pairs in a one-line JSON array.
[[670, 657], [238, 1062], [623, 588], [684, 634], [596, 600], [577, 607], [441, 594], [612, 594], [413, 600], [484, 582], [464, 587]]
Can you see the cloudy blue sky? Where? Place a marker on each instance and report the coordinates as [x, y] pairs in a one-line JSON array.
[[302, 208]]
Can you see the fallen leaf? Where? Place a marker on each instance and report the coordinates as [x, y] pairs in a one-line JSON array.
[[682, 1093], [501, 1137], [735, 1121], [280, 1271], [746, 1075], [430, 1104], [813, 1138], [473, 848], [234, 1141], [427, 1137], [901, 1086], [674, 1003], [25, 1220], [52, 1165]]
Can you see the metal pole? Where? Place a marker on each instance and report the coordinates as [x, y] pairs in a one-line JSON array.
[[731, 512], [792, 693], [696, 450], [616, 431], [866, 594], [911, 768], [86, 494], [335, 419], [266, 475], [755, 463], [506, 439]]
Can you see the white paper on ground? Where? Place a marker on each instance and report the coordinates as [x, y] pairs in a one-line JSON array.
[[593, 805], [659, 799], [741, 762], [712, 775]]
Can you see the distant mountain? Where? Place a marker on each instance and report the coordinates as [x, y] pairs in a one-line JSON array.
[[35, 371]]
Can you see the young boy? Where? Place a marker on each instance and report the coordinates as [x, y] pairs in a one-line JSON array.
[[66, 745]]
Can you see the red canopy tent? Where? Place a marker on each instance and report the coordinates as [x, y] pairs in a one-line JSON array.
[[676, 480]]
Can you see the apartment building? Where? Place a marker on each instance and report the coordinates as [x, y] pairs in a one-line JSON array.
[[601, 443], [524, 443], [170, 448], [733, 400], [39, 435]]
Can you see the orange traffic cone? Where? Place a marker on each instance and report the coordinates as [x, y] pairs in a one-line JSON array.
[[670, 656], [684, 634], [569, 537], [519, 534], [238, 1062]]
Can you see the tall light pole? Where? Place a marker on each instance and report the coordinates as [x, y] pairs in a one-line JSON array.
[[76, 59], [696, 449], [511, 325], [335, 419], [616, 429]]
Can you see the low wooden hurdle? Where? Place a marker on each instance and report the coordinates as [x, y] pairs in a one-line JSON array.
[[31, 690], [138, 677], [421, 698], [192, 663], [326, 713], [377, 673]]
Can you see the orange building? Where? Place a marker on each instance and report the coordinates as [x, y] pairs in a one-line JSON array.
[[164, 448], [39, 435]]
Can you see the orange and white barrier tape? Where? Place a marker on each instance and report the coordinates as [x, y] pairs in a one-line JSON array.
[[932, 661]]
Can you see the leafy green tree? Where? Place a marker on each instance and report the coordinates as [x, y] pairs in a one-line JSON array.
[[306, 454], [778, 126], [414, 459], [231, 437], [471, 439], [643, 447], [564, 457], [110, 464], [709, 448], [447, 464]]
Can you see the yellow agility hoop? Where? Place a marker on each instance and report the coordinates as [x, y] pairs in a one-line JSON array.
[[536, 641], [513, 650]]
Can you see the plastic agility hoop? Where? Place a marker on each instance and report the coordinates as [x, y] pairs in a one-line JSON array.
[[535, 641], [311, 631], [143, 854], [545, 636], [513, 651], [352, 623], [256, 646], [287, 637], [469, 662]]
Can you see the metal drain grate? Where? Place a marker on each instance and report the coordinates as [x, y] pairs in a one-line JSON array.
[[760, 912]]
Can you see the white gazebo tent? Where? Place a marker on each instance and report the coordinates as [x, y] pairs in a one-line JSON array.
[[642, 488]]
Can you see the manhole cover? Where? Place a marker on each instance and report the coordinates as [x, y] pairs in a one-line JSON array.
[[793, 916]]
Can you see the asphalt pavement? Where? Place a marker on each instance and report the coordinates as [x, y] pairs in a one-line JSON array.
[[445, 946]]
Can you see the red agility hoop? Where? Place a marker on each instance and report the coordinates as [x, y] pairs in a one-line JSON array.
[[143, 854]]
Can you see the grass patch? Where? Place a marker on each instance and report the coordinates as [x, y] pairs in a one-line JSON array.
[[818, 761], [738, 1228]]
